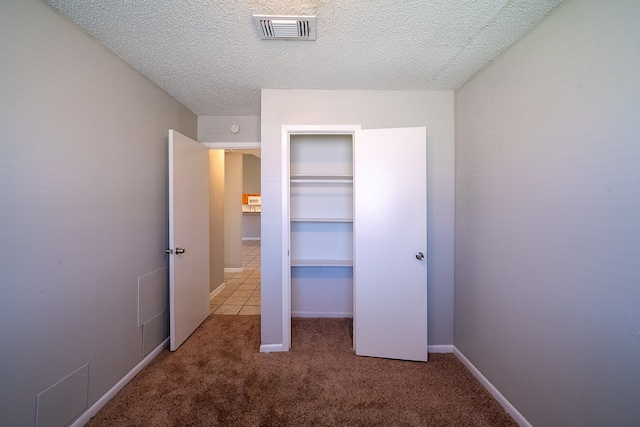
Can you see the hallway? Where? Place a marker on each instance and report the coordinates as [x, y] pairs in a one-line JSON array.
[[241, 293]]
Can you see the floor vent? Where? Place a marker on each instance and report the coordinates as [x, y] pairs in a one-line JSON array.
[[285, 27]]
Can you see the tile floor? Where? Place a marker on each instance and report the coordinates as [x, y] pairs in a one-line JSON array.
[[241, 292]]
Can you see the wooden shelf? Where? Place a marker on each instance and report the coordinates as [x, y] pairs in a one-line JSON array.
[[347, 220], [321, 179], [321, 263]]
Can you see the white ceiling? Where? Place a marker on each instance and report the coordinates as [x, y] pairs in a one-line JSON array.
[[208, 56]]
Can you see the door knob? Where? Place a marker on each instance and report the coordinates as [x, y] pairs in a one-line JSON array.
[[169, 251], [179, 250], [419, 255]]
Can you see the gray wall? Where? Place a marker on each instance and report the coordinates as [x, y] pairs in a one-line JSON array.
[[83, 207], [547, 292], [251, 170], [218, 129], [370, 109]]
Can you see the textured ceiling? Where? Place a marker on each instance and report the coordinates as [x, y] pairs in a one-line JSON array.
[[208, 56]]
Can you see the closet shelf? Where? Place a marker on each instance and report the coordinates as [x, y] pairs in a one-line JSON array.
[[321, 178], [321, 263], [347, 220]]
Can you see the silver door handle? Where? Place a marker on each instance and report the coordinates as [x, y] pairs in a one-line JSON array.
[[179, 250], [419, 256], [169, 251]]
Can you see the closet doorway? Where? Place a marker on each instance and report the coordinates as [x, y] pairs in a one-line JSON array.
[[355, 209]]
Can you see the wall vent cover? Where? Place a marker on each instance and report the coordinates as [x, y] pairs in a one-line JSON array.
[[285, 27]]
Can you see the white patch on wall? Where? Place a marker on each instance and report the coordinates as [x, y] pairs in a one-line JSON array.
[[153, 296], [153, 299], [65, 400]]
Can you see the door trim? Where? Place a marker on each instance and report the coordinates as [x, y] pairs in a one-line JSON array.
[[233, 145]]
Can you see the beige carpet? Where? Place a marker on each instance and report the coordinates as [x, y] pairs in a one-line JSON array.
[[219, 378]]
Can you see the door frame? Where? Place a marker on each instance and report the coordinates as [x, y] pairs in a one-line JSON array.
[[233, 145], [286, 132]]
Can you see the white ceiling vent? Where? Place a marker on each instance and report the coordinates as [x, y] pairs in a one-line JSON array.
[[285, 27]]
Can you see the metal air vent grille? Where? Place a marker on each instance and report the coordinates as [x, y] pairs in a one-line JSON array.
[[285, 27]]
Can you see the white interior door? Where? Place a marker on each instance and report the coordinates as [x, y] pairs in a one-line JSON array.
[[188, 236], [390, 233]]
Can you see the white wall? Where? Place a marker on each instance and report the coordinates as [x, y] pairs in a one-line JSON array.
[[547, 298], [83, 207], [216, 214], [233, 210], [371, 109]]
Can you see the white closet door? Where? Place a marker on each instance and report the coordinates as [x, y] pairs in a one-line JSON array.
[[390, 233], [188, 236]]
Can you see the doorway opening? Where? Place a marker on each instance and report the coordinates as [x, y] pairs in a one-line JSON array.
[[355, 234], [318, 228], [235, 228]]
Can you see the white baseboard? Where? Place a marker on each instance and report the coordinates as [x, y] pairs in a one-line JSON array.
[[93, 410], [233, 269], [517, 416], [271, 348], [440, 348], [216, 291], [321, 314]]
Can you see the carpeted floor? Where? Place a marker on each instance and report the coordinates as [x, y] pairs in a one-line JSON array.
[[219, 378]]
